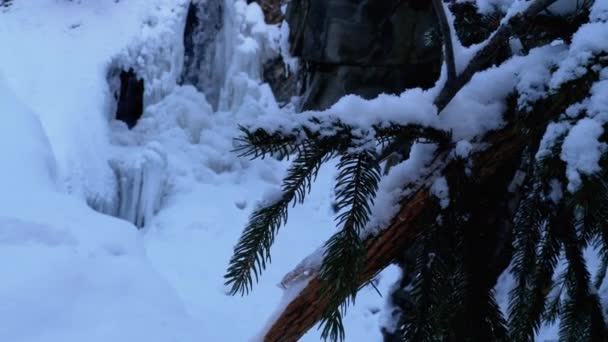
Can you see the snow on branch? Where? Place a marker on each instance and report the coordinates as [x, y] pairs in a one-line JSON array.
[[481, 59], [447, 40]]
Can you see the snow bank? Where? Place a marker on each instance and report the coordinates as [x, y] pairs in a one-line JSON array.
[[59, 50], [74, 275]]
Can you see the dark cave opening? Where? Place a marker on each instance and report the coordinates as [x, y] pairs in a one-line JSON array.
[[130, 104]]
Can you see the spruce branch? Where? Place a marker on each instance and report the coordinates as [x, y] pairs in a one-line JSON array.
[[553, 308], [356, 186], [487, 53], [582, 317], [529, 223], [260, 143], [505, 146], [418, 325], [601, 272], [426, 287], [392, 132], [342, 266], [480, 61], [344, 258], [252, 252], [530, 314], [591, 201]]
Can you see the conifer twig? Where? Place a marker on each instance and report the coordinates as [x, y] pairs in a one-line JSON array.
[[447, 40], [480, 61], [505, 145], [485, 55]]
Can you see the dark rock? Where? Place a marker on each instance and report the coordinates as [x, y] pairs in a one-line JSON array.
[[325, 84], [363, 47], [282, 82], [364, 32], [130, 104]]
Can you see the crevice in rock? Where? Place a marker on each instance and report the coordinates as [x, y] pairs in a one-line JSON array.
[[282, 81], [204, 21], [130, 98]]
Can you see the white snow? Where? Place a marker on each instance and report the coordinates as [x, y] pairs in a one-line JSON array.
[[560, 7], [556, 194], [490, 6], [73, 274], [76, 274], [589, 41], [391, 187], [582, 151], [554, 131], [80, 275], [440, 189], [463, 149], [599, 11]]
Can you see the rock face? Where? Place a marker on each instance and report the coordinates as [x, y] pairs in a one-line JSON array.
[[282, 81], [363, 47], [130, 104]]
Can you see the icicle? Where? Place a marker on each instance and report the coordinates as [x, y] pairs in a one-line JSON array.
[[141, 181]]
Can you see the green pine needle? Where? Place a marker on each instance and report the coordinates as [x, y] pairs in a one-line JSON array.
[[252, 252], [344, 259]]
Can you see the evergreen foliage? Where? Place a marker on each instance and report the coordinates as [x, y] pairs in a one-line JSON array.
[[451, 295], [451, 298], [356, 185]]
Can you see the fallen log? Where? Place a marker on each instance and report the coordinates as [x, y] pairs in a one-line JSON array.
[[505, 150], [308, 307]]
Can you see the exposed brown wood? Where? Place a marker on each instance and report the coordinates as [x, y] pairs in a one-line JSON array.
[[306, 310], [303, 312]]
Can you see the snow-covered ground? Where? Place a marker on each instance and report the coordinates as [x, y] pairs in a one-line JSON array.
[[75, 274]]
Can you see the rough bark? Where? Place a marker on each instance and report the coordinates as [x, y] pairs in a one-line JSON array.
[[304, 311]]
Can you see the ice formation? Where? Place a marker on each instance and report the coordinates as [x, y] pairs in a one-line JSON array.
[[203, 24], [142, 178], [217, 46]]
